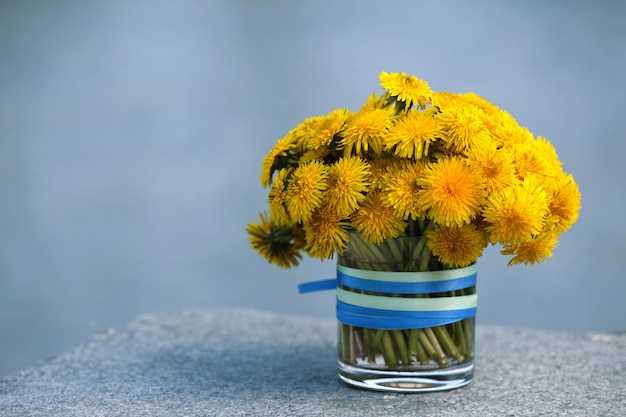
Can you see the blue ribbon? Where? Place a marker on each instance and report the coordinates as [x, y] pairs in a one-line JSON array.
[[405, 287], [374, 318], [398, 283], [326, 284]]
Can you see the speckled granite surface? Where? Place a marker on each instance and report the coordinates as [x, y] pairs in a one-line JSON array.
[[240, 362]]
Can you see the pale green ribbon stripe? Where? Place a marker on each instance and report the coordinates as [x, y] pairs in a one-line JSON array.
[[427, 276], [408, 304]]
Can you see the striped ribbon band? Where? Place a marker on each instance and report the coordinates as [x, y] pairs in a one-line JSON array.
[[394, 312]]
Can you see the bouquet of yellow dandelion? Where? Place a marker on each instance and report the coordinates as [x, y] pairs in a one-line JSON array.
[[451, 172], [455, 164]]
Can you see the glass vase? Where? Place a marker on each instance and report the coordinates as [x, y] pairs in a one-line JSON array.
[[406, 322]]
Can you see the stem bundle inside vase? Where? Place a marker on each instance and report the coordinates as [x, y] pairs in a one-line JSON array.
[[438, 346], [418, 346]]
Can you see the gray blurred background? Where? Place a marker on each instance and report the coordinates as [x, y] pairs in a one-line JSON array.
[[132, 133]]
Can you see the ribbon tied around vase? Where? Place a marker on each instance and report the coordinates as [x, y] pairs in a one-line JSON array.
[[394, 310]]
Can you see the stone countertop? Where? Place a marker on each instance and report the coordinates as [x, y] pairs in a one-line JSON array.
[[242, 362]]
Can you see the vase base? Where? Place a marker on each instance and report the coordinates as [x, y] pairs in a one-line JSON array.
[[407, 381]]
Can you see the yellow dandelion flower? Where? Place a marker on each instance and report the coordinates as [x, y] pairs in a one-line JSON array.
[[329, 126], [508, 134], [451, 191], [302, 133], [564, 204], [375, 102], [496, 166], [533, 251], [276, 159], [276, 198], [457, 246], [276, 244], [400, 190], [503, 127], [364, 132], [481, 225], [406, 88], [486, 106], [318, 154], [548, 154], [347, 184], [516, 214], [463, 127], [376, 221], [442, 99], [533, 157], [493, 117], [412, 135], [325, 233], [379, 170], [305, 189]]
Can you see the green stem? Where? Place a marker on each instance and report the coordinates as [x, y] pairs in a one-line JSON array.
[[378, 338], [459, 336], [416, 347], [402, 348], [440, 356], [344, 335], [413, 342], [367, 338], [424, 262], [365, 252], [447, 343], [420, 253], [396, 254], [388, 352], [352, 339], [469, 337], [425, 342]]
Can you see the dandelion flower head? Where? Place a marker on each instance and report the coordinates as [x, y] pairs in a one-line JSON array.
[[305, 190], [364, 132], [347, 184], [411, 135], [406, 88], [451, 191]]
